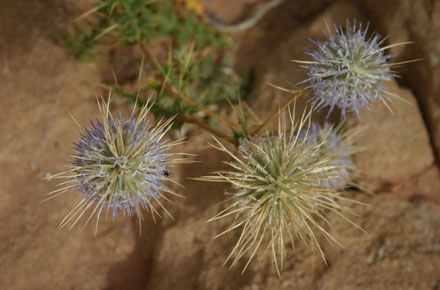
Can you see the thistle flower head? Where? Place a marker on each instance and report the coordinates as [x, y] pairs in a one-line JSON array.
[[340, 145], [119, 165], [281, 184], [347, 70]]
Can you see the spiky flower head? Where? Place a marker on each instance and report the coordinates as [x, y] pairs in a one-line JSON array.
[[119, 165], [282, 184], [339, 144], [348, 70]]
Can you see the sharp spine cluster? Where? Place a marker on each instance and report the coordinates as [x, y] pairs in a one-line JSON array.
[[121, 165], [282, 183], [348, 70], [339, 145]]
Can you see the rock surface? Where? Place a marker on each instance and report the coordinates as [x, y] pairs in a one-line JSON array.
[[418, 22], [396, 143], [401, 237], [41, 85]]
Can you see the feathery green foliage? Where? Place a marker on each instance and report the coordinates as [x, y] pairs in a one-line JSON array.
[[199, 64]]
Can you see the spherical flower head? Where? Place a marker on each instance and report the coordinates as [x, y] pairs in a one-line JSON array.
[[348, 69], [281, 184], [337, 143], [119, 165]]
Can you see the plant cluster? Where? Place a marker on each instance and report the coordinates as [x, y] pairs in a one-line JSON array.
[[199, 62], [282, 183]]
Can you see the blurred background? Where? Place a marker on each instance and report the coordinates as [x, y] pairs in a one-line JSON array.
[[40, 84]]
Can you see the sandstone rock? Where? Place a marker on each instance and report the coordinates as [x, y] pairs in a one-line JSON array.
[[40, 89], [419, 22], [422, 186], [401, 237], [397, 146]]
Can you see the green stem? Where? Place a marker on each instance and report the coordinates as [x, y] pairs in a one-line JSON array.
[[175, 94], [276, 113]]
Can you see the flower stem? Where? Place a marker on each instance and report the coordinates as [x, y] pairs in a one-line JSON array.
[[175, 94], [201, 124], [276, 113]]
